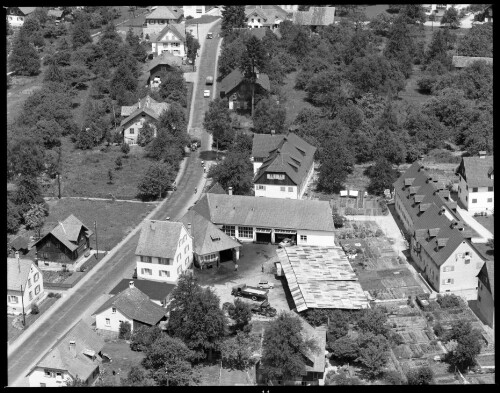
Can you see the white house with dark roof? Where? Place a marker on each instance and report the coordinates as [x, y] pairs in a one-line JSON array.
[[164, 251], [159, 17], [475, 188], [449, 261], [238, 91], [17, 15], [195, 11], [136, 115], [269, 220], [158, 292], [24, 285], [268, 16], [130, 305], [283, 165], [171, 38], [486, 292], [76, 355]]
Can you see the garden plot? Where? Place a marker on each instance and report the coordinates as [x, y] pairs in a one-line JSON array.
[[360, 205]]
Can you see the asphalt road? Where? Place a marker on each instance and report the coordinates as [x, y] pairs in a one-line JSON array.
[[41, 340]]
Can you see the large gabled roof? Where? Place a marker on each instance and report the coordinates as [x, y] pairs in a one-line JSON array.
[[18, 272], [166, 12], [475, 171], [262, 144], [77, 364], [230, 82], [269, 12], [292, 156], [67, 232], [176, 28], [159, 239], [155, 290], [266, 212], [165, 58], [136, 305], [147, 110], [216, 189], [208, 238], [146, 102], [27, 10]]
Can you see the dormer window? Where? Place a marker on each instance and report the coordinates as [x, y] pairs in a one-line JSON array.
[[113, 310]]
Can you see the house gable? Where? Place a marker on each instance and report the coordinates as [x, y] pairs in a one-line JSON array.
[[274, 178]]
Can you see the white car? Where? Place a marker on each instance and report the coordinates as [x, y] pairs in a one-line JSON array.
[[265, 284], [286, 243], [206, 93]]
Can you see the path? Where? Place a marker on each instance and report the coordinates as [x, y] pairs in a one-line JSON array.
[[469, 219], [119, 263], [102, 199]]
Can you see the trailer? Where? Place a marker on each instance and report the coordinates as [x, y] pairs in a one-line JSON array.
[[253, 293]]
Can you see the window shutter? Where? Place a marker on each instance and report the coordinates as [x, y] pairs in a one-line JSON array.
[[444, 282]]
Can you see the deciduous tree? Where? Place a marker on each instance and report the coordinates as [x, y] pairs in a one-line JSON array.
[[233, 16], [235, 171], [253, 60], [218, 122], [237, 352], [373, 353], [192, 45], [344, 349], [241, 313], [337, 162], [146, 134], [24, 59], [143, 337], [155, 181], [13, 218], [80, 34], [34, 218], [451, 18], [269, 116], [381, 175], [420, 376]]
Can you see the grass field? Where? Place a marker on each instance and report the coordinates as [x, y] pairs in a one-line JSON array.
[[123, 358], [114, 219], [295, 99], [487, 222], [22, 87], [85, 172]]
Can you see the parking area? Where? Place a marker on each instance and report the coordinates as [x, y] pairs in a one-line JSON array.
[[253, 259]]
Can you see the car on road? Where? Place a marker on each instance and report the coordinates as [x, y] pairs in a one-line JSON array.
[[206, 93], [264, 284], [209, 80], [286, 243], [210, 35]]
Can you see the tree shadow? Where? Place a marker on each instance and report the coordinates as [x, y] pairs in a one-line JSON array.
[[209, 155]]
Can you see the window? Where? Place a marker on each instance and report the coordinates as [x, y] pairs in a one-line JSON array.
[[35, 277], [29, 282], [229, 230], [58, 375], [47, 373], [31, 295], [261, 187], [164, 261], [474, 200], [258, 20], [272, 176], [303, 238], [37, 290], [43, 385], [290, 189], [146, 271], [282, 189], [46, 263], [131, 131], [178, 257], [490, 188], [467, 260], [252, 20], [448, 268], [246, 232], [164, 273], [179, 271], [146, 259], [113, 310], [466, 198], [474, 189], [186, 249], [199, 11], [467, 187], [490, 199], [448, 281], [108, 322]]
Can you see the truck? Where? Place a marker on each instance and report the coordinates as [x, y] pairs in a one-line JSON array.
[[253, 293]]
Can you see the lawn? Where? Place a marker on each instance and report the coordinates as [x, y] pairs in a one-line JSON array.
[[114, 219], [295, 99], [85, 172], [13, 333], [122, 360], [488, 222], [22, 87]]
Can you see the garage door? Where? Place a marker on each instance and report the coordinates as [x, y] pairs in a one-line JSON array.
[[263, 237]]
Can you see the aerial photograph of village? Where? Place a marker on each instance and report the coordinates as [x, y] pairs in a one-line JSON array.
[[250, 195]]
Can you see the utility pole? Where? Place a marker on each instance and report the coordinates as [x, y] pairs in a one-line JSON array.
[[96, 244], [22, 302]]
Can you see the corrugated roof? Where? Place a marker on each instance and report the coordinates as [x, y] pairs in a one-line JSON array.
[[165, 58], [475, 171], [466, 61], [208, 238], [16, 278], [146, 102], [67, 232], [321, 277], [77, 364], [166, 12], [155, 290], [176, 28], [293, 156], [266, 212], [159, 239], [315, 16], [136, 305], [230, 82]]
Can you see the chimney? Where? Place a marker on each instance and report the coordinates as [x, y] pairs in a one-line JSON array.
[[189, 228], [230, 190], [441, 211], [482, 154], [152, 225], [18, 261], [131, 284], [72, 347]]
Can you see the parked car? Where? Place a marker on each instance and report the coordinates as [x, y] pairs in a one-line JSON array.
[[286, 243], [206, 93], [264, 309], [210, 35], [264, 284], [209, 80]]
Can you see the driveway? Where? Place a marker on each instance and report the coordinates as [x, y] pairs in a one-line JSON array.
[[80, 301], [469, 219], [252, 258]]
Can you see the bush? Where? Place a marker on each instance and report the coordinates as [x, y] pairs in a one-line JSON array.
[[392, 377], [379, 233], [125, 330], [420, 376], [125, 148], [449, 301], [51, 294], [34, 309], [438, 329]]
